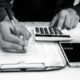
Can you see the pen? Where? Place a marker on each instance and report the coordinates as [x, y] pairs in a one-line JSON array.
[[16, 32]]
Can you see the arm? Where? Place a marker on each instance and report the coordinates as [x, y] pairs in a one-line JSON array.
[[64, 4], [4, 4], [67, 15], [8, 39], [77, 9]]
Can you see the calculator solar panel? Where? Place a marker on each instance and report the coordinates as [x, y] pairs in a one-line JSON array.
[[51, 34]]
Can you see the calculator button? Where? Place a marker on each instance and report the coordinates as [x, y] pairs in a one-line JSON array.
[[60, 32], [51, 31], [37, 30], [55, 30], [41, 30], [46, 31]]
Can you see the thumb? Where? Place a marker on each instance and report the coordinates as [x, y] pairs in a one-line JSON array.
[[54, 21], [25, 33]]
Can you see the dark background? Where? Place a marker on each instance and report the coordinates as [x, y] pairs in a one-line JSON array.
[[39, 10]]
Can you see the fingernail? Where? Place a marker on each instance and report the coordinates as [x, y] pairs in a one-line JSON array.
[[26, 42], [29, 36], [59, 28], [19, 47], [50, 25]]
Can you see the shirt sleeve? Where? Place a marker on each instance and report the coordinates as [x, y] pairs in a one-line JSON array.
[[3, 5], [63, 4], [77, 9]]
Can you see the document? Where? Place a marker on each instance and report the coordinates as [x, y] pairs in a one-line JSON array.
[[48, 53]]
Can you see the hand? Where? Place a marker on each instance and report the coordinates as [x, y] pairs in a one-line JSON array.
[[66, 18], [8, 39]]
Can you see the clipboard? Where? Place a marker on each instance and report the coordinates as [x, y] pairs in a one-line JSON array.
[[40, 56]]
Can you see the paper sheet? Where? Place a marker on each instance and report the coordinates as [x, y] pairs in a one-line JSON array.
[[37, 52]]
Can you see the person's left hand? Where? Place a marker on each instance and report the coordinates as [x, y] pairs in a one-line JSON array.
[[66, 18]]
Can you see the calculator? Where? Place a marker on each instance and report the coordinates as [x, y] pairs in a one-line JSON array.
[[51, 34]]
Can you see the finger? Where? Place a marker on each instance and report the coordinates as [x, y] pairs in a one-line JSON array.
[[25, 42], [54, 21], [0, 40], [13, 51], [25, 33], [9, 50], [9, 45], [7, 36], [72, 22], [67, 21], [61, 21], [76, 22]]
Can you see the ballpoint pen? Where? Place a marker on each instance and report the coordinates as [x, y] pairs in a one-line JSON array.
[[13, 24]]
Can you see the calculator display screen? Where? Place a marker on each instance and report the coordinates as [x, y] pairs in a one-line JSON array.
[[72, 51]]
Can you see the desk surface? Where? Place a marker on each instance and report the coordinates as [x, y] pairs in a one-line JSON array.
[[64, 74]]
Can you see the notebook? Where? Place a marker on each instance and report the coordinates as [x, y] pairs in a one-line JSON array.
[[39, 56]]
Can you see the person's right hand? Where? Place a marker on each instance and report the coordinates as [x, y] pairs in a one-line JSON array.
[[66, 18], [8, 40]]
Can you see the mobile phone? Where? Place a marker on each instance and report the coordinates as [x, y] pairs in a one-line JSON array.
[[71, 53]]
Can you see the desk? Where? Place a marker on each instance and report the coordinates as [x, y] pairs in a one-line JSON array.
[[64, 74]]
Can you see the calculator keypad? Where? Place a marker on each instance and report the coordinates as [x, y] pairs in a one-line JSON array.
[[50, 32]]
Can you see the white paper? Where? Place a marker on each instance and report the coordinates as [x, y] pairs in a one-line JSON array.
[[37, 52]]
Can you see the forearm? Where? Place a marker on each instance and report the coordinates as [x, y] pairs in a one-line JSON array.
[[63, 4], [5, 4], [77, 9]]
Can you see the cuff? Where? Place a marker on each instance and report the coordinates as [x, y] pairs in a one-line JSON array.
[[3, 14], [77, 9]]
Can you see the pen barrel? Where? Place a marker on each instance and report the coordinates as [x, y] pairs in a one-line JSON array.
[[15, 30], [9, 14], [14, 27]]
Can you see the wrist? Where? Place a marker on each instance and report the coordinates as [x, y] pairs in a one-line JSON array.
[[6, 19], [72, 10], [15, 20], [3, 14]]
